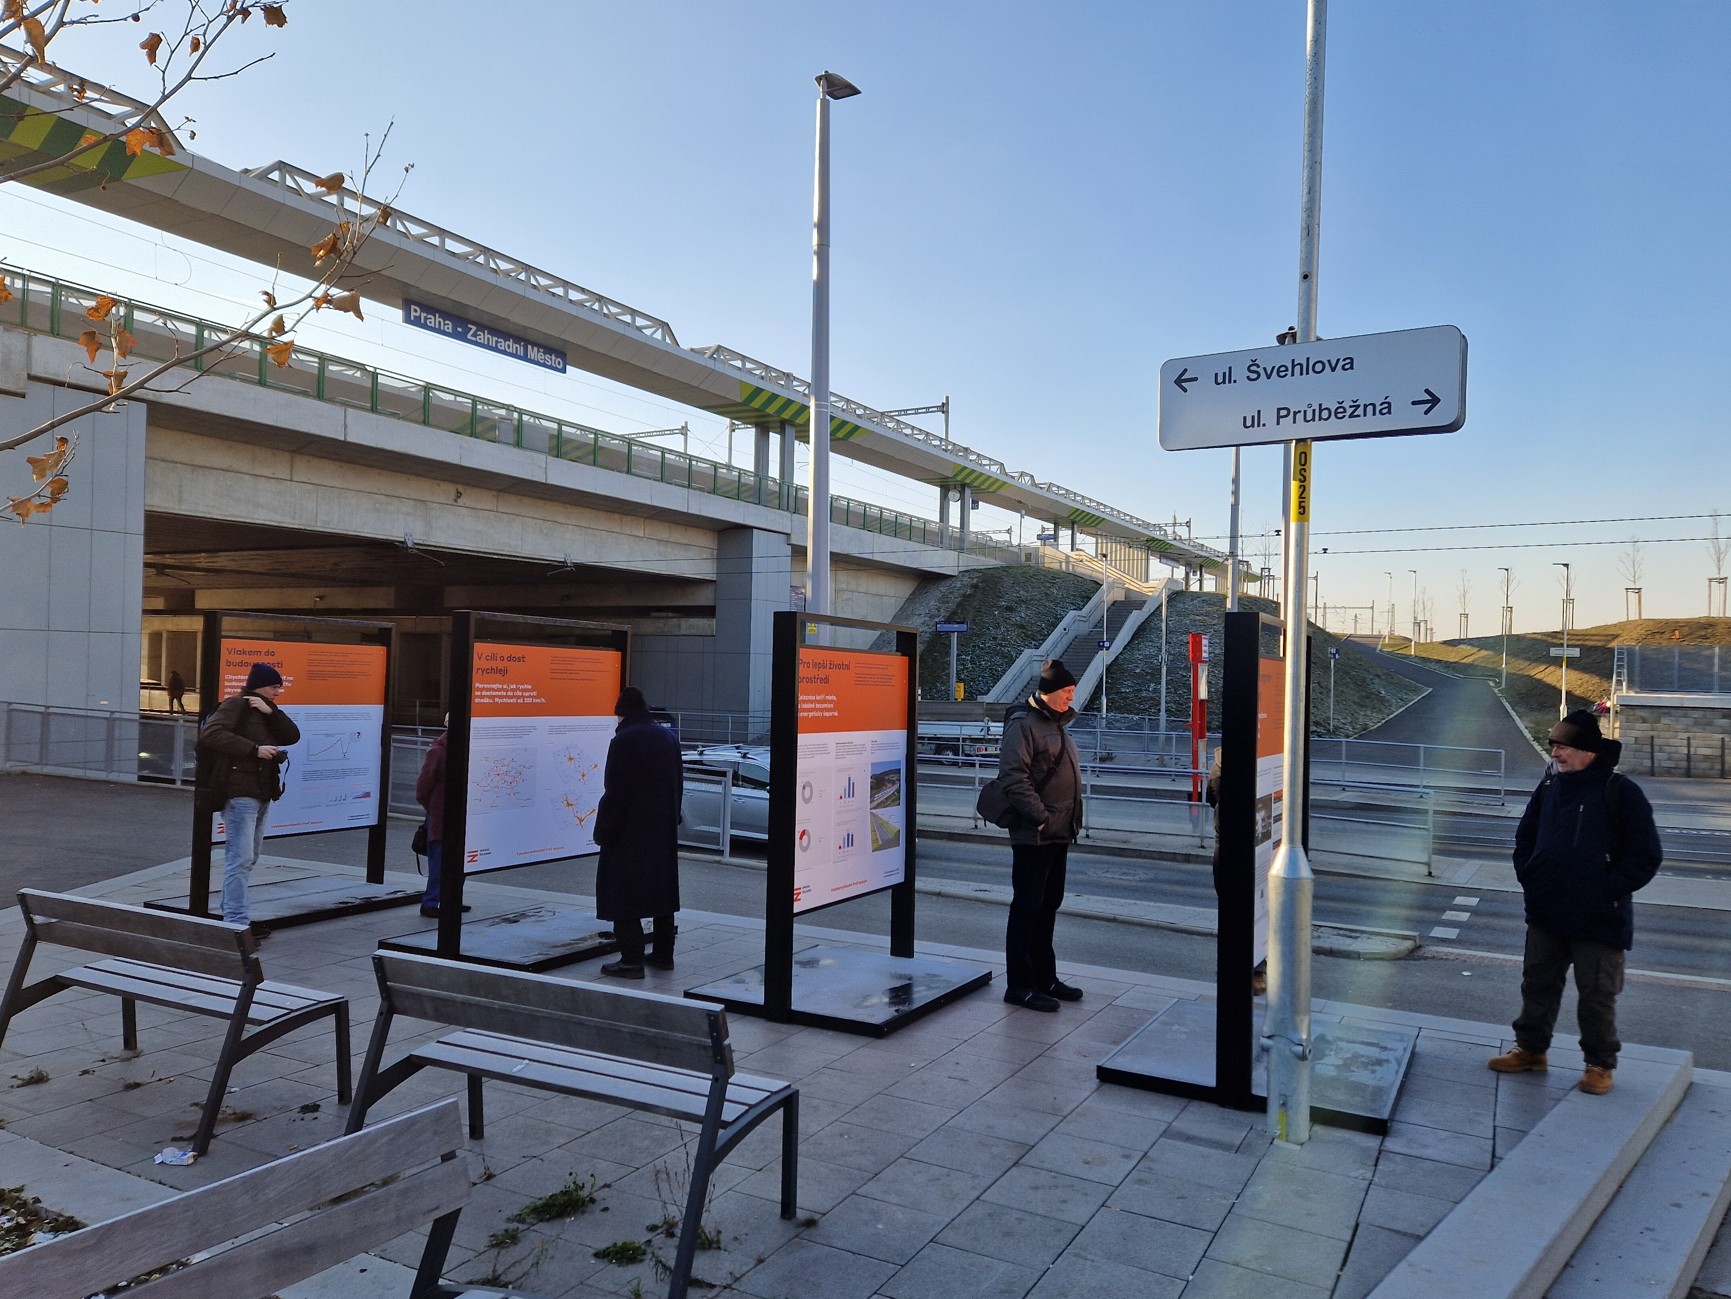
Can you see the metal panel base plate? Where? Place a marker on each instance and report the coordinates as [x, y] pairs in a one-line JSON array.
[[302, 899], [1355, 1072], [535, 939], [856, 992]]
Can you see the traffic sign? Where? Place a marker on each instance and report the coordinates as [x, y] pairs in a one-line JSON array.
[[1333, 652], [1558, 652], [1371, 385], [952, 628], [1105, 644]]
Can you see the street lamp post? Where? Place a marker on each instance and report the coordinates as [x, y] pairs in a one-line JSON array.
[[817, 599], [1390, 576], [1568, 599], [1507, 611], [1412, 645]]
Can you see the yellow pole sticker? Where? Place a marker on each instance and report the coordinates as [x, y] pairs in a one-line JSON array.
[[1301, 482]]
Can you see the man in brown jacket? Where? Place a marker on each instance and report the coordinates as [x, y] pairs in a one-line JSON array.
[[247, 734]]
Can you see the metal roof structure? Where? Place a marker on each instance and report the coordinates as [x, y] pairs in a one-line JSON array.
[[274, 214]]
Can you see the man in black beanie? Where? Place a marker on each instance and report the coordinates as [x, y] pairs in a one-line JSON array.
[[637, 831], [1042, 777], [1586, 843]]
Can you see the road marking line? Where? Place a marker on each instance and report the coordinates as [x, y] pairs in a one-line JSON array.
[[1515, 958], [1466, 902], [1443, 931], [1457, 915]]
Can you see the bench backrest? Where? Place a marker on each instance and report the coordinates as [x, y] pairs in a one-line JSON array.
[[97, 1258], [140, 934], [620, 1022]]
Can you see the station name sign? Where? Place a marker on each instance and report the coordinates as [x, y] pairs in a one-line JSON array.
[[449, 324], [1372, 385]]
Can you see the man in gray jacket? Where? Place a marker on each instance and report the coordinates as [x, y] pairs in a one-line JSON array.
[[1042, 778]]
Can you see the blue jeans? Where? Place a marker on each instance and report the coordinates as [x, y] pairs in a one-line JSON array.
[[435, 859], [243, 821]]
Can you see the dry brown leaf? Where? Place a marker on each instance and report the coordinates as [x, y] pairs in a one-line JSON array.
[[280, 352], [99, 309], [197, 45], [116, 380], [22, 506], [12, 11], [163, 141], [81, 91], [332, 183], [349, 302], [268, 296], [49, 463], [124, 342], [274, 16], [38, 38], [136, 140], [91, 342], [56, 489], [150, 45], [278, 327], [326, 247], [5, 291]]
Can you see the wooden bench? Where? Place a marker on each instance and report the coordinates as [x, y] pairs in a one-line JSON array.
[[315, 1209], [183, 962], [638, 1049]]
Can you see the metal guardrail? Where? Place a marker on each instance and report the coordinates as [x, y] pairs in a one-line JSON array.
[[1678, 669], [44, 305]]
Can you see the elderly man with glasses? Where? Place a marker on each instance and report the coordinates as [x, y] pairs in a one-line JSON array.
[[1586, 843]]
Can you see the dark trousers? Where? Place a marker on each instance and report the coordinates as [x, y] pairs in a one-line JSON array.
[[630, 936], [1037, 881], [1598, 980], [435, 865]]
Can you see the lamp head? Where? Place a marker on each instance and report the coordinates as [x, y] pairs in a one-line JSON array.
[[835, 86]]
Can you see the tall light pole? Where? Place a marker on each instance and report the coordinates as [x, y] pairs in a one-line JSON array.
[[1390, 576], [1412, 645], [1508, 617], [1232, 577], [829, 86], [1568, 593]]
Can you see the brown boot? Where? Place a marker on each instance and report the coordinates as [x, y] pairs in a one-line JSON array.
[[1596, 1081], [1521, 1060]]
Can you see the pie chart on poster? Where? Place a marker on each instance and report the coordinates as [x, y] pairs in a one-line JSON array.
[[806, 792], [805, 840]]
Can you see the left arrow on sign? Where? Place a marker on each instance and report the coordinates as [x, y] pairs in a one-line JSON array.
[[1184, 379], [1430, 404]]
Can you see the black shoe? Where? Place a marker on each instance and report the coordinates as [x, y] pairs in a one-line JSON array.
[[621, 970], [659, 962], [432, 913], [1028, 999], [259, 932], [1064, 991]]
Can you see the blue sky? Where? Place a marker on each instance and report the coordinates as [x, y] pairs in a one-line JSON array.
[[1036, 205]]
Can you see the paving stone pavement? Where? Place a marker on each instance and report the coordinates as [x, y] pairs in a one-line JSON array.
[[972, 1154]]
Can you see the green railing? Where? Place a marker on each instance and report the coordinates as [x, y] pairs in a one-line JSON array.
[[41, 304]]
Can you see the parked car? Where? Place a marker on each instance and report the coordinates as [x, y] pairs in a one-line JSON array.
[[705, 771]]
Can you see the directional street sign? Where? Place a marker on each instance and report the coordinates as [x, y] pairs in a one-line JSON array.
[[952, 628], [1558, 652], [1374, 385], [1105, 644]]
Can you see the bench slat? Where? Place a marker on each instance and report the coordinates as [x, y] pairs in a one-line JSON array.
[[643, 1025], [577, 1076], [268, 998], [749, 1090], [99, 1257], [231, 964]]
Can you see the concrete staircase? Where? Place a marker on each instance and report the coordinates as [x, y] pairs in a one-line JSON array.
[[1607, 1196]]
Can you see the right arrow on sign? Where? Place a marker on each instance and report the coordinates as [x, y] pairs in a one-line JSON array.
[[1429, 405]]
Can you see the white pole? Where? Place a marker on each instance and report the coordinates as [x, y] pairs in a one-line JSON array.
[[1563, 706], [1232, 541], [817, 585], [1286, 1029]]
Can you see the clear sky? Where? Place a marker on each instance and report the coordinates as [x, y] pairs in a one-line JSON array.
[[1037, 204]]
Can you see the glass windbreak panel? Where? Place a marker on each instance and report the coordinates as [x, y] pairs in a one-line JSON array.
[[349, 384], [403, 398], [611, 452], [452, 411], [577, 443], [299, 375], [495, 423], [538, 433]]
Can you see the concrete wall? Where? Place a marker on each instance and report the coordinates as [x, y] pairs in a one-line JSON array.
[[71, 584], [1675, 735]]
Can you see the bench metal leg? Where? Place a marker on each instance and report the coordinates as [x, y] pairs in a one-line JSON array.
[[12, 1002], [790, 1156], [345, 1084], [432, 1266], [129, 1023], [219, 1082], [477, 1116]]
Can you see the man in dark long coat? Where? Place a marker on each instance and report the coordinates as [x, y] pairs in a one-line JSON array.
[[637, 830]]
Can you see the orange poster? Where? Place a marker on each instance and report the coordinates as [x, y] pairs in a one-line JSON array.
[[311, 673], [842, 691], [544, 681]]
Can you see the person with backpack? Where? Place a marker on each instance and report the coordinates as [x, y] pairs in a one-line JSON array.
[[1041, 776], [1585, 845], [247, 738]]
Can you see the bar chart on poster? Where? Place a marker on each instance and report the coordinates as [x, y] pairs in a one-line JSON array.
[[540, 722], [849, 827], [335, 693]]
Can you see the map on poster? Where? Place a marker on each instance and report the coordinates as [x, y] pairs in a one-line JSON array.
[[541, 717], [849, 822], [336, 695], [1270, 801]]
